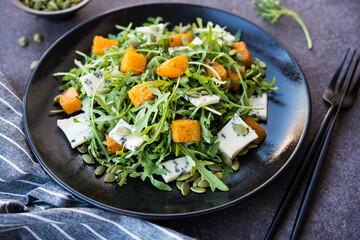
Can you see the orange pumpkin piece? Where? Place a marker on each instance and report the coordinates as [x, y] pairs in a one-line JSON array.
[[174, 67], [185, 130], [112, 145], [245, 54], [140, 93], [219, 68], [69, 101], [176, 41], [133, 61], [257, 128], [101, 43], [235, 79]]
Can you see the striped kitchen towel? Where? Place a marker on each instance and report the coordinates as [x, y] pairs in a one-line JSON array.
[[33, 206]]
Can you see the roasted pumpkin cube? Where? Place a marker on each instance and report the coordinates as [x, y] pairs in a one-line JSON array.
[[176, 39], [101, 43], [245, 54], [133, 61], [219, 68], [174, 67], [112, 145], [140, 93], [257, 128], [235, 79], [69, 101], [185, 130]]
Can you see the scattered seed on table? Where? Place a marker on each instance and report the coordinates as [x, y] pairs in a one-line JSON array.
[[23, 41], [38, 38], [33, 64]]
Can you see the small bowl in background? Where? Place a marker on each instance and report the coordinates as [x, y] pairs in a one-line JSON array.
[[53, 15]]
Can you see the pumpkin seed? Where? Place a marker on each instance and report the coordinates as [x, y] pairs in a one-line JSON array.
[[38, 38], [110, 169], [33, 64], [88, 159], [194, 94], [251, 145], [123, 131], [236, 165], [117, 168], [218, 175], [262, 71], [152, 37], [23, 41], [226, 159], [215, 167], [27, 3], [149, 56], [52, 5], [103, 90], [203, 184], [185, 188], [262, 64], [196, 181], [232, 52], [66, 5], [204, 92], [243, 152], [110, 177], [83, 148], [198, 189], [37, 5], [59, 2], [238, 57], [193, 177], [184, 177], [57, 98], [134, 43], [100, 170], [185, 29], [240, 129], [178, 184], [185, 40]]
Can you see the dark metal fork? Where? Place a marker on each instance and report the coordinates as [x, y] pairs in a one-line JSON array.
[[338, 99]]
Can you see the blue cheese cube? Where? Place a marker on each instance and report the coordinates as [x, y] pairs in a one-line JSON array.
[[203, 100], [231, 143], [76, 132], [129, 142], [91, 81], [158, 28], [197, 41], [176, 167], [259, 102]]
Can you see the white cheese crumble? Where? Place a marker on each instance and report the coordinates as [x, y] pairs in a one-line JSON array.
[[91, 81], [259, 102], [176, 167], [204, 100], [158, 28], [173, 49]]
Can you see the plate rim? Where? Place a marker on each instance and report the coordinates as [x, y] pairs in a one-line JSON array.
[[157, 216]]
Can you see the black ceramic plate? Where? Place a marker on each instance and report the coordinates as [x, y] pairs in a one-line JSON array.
[[288, 111]]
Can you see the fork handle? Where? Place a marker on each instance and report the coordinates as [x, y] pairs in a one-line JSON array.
[[311, 187], [299, 174]]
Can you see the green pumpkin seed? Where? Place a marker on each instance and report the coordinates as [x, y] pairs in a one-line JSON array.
[[185, 40], [100, 170], [110, 177], [240, 129], [103, 90], [88, 159], [23, 41], [262, 64], [66, 5], [184, 177], [196, 181], [52, 5], [59, 2], [226, 159], [37, 5], [204, 92], [57, 98], [27, 3], [185, 188], [149, 56], [238, 57], [152, 37], [198, 189], [232, 52], [218, 175], [117, 168], [215, 167], [203, 184], [236, 165], [251, 145], [123, 131], [134, 43], [83, 148], [38, 38], [110, 168], [262, 71], [194, 94], [185, 29], [33, 64], [193, 177], [243, 152], [178, 184]]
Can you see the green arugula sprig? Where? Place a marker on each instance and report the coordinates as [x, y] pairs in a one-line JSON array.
[[271, 9]]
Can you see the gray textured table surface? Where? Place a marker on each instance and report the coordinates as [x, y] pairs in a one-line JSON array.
[[334, 25]]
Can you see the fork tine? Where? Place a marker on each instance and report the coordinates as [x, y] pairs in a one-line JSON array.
[[346, 72], [337, 72], [357, 83]]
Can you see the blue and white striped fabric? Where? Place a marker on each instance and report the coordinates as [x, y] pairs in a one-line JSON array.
[[33, 206]]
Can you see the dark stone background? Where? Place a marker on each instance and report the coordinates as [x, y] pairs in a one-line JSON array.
[[334, 25]]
